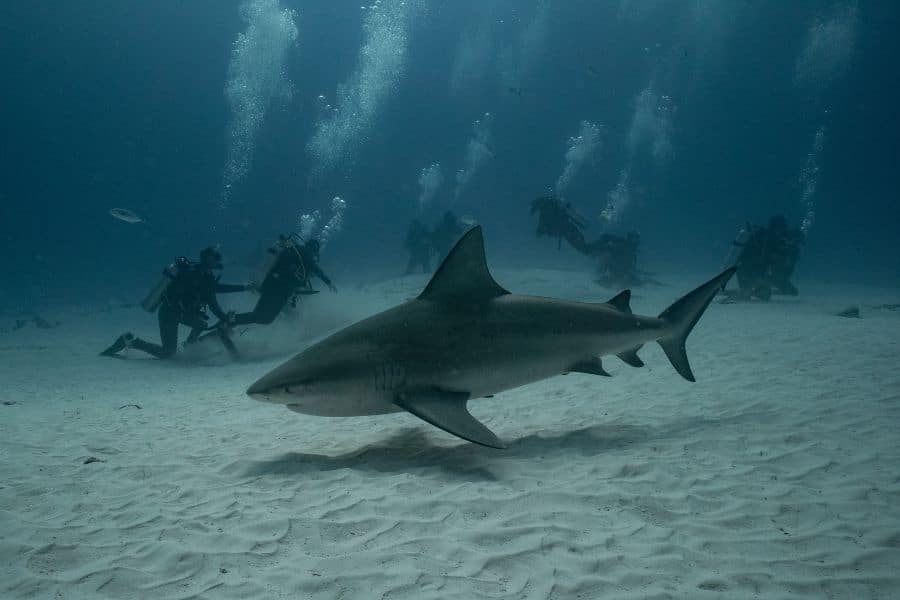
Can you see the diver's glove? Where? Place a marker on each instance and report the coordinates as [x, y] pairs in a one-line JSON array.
[[332, 287]]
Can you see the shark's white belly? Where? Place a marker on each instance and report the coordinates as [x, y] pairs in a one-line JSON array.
[[483, 372]]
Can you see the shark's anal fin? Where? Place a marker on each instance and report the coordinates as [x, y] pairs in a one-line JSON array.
[[630, 357], [591, 366], [447, 410]]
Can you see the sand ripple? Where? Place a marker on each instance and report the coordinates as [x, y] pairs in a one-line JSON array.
[[774, 476]]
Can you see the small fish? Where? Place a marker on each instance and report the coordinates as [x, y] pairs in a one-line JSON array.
[[123, 214]]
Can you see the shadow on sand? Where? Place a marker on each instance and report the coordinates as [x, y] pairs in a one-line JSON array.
[[413, 451]]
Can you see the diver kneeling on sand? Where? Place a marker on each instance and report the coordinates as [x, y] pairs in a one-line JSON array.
[[181, 298], [557, 218], [419, 245], [617, 259], [286, 277], [765, 258]]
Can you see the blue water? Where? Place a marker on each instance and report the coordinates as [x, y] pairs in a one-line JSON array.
[[707, 114]]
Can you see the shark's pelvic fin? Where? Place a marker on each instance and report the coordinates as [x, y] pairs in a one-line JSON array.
[[683, 315], [464, 274], [591, 367], [630, 357], [622, 301], [448, 411]]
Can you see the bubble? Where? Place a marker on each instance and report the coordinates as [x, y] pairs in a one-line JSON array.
[[649, 133], [255, 78], [474, 53], [581, 149], [430, 179], [828, 50], [809, 180], [381, 63], [308, 223], [336, 222], [651, 125], [619, 198], [478, 151], [517, 62]]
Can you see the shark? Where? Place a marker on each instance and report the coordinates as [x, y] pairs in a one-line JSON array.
[[466, 337]]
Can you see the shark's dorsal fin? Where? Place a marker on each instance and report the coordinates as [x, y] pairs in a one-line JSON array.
[[622, 301], [464, 273]]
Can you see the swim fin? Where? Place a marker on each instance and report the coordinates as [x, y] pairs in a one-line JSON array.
[[122, 342]]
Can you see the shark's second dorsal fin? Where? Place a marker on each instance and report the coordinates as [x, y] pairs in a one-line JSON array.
[[464, 273], [622, 301]]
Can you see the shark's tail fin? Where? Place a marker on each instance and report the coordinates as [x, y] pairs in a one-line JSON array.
[[681, 318]]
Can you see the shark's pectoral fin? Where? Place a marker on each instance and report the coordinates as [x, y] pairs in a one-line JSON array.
[[592, 366], [447, 410], [630, 357]]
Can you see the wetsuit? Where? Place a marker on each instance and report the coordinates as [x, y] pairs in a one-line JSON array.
[[783, 252], [184, 303], [445, 234], [557, 219], [617, 258], [418, 245], [288, 277], [753, 266]]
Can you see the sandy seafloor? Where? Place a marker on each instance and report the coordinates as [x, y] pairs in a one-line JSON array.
[[776, 475]]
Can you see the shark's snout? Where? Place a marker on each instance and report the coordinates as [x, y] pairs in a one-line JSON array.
[[257, 389], [263, 386], [269, 389]]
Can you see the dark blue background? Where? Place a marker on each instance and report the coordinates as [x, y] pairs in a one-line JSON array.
[[121, 103]]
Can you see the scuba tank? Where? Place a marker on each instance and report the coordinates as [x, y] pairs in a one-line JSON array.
[[737, 246], [270, 257], [273, 253], [156, 295]]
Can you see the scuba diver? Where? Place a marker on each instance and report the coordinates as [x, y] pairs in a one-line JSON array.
[[556, 218], [784, 250], [765, 258], [288, 277], [445, 234], [617, 256], [181, 298], [418, 244]]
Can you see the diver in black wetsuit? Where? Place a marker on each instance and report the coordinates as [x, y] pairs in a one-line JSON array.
[[617, 259], [784, 250], [418, 244], [445, 234], [765, 259], [752, 270], [557, 218], [288, 277], [190, 288]]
